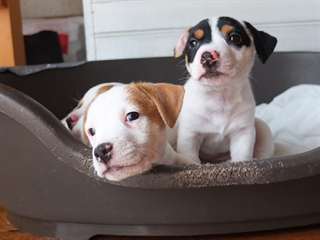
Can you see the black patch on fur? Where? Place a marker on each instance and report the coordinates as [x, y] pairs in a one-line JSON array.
[[190, 51], [238, 29], [264, 42]]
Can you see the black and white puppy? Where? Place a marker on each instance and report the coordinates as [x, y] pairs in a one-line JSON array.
[[218, 113]]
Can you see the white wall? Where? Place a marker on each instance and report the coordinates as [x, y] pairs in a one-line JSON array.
[[150, 28], [50, 8]]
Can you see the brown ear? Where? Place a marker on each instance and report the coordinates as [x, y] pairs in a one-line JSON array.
[[168, 99], [181, 44]]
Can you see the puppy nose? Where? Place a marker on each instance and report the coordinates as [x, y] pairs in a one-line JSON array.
[[215, 55], [103, 152], [209, 59]]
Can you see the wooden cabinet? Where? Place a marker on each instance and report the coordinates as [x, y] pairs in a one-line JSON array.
[[11, 39]]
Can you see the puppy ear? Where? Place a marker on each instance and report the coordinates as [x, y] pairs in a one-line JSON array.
[[168, 99], [264, 42], [181, 44]]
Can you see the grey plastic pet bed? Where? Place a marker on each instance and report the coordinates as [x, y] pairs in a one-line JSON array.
[[48, 186]]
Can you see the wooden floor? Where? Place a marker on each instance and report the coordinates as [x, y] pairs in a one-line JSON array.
[[9, 232]]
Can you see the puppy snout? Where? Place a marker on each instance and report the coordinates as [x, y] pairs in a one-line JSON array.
[[209, 59], [103, 152]]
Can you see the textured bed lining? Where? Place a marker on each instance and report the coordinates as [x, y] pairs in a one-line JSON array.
[[224, 174]]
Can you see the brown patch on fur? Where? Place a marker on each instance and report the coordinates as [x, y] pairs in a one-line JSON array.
[[161, 102], [226, 29], [101, 90], [140, 96], [199, 34], [144, 103]]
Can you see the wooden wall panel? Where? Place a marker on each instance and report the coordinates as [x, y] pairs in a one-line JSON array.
[[118, 29]]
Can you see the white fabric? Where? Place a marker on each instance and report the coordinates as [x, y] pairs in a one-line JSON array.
[[294, 119]]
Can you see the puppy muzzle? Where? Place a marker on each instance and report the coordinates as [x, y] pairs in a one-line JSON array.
[[209, 59], [103, 152], [210, 63]]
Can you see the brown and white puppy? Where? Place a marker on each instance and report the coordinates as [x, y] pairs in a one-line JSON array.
[[74, 120], [218, 113], [127, 128]]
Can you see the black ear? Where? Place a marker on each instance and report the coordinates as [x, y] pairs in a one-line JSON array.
[[264, 42]]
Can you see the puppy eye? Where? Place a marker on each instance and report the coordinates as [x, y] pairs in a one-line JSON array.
[[235, 38], [193, 43], [131, 116], [91, 131]]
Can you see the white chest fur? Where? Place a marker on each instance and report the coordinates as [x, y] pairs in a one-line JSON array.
[[210, 117], [217, 111]]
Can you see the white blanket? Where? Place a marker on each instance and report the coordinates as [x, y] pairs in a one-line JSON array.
[[294, 118]]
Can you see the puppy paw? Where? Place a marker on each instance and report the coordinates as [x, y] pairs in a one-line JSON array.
[[242, 159], [185, 160]]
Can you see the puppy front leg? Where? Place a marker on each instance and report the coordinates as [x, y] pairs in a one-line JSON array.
[[171, 157], [188, 144], [242, 144]]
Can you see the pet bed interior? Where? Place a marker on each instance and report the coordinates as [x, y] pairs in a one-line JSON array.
[[41, 161]]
